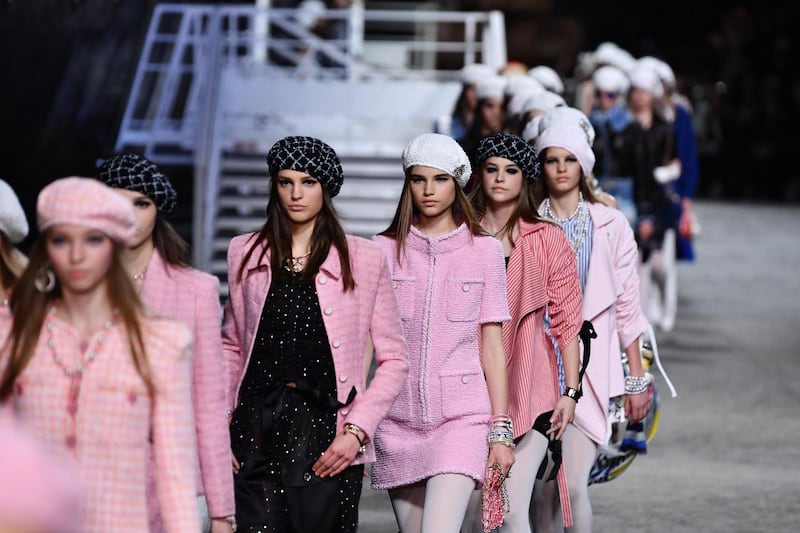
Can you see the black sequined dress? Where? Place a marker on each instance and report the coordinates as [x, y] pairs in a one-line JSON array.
[[287, 410]]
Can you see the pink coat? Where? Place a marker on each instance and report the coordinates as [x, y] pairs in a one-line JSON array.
[[611, 303], [108, 440], [192, 297], [446, 286], [350, 319]]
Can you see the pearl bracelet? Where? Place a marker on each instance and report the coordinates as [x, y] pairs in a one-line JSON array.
[[636, 384]]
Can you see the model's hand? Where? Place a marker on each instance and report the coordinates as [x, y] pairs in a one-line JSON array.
[[563, 414], [502, 455], [220, 525], [338, 456], [646, 229], [637, 405], [236, 465]]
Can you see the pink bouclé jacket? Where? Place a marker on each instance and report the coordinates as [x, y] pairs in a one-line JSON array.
[[351, 318], [192, 297], [107, 436], [611, 303]]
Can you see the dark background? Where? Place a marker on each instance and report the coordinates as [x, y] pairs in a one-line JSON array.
[[68, 64]]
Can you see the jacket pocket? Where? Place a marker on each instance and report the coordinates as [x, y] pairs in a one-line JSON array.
[[464, 394], [404, 292], [464, 296]]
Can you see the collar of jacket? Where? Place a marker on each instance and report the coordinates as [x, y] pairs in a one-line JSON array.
[[331, 266], [448, 242]]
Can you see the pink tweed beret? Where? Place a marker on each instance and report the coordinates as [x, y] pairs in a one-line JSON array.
[[86, 202], [37, 492]]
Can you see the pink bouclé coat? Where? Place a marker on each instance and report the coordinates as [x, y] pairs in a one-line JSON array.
[[446, 286], [107, 438], [192, 297], [351, 318], [611, 303]]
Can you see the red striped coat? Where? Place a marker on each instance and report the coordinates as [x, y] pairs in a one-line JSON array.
[[542, 274]]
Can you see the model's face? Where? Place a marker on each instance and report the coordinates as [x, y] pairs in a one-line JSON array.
[[80, 257], [300, 196], [562, 172], [502, 180], [605, 99], [432, 191], [640, 99], [146, 213], [491, 110]]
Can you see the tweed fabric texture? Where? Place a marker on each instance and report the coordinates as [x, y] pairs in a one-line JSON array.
[[568, 115], [192, 297], [106, 437], [309, 155], [512, 148], [136, 173], [369, 311], [447, 287], [438, 151], [12, 217], [88, 203]]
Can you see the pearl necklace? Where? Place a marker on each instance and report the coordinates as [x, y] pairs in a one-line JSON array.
[[75, 373], [580, 215], [140, 275]]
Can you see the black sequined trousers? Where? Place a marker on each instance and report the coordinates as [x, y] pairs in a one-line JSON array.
[[291, 346]]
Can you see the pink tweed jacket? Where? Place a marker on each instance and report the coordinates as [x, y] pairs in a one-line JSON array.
[[350, 319], [611, 302], [106, 436], [192, 297], [542, 273]]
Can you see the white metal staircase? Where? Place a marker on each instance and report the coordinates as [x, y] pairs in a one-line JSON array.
[[218, 85]]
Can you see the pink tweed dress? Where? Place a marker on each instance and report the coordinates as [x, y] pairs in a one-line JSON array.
[[446, 287]]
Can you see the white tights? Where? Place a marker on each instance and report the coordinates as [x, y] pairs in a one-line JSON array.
[[579, 453], [436, 505], [659, 284]]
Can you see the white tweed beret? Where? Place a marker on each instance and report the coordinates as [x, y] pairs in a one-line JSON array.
[[610, 79], [474, 72], [440, 152], [544, 102], [661, 68], [645, 78], [609, 53], [568, 115], [491, 87], [521, 84], [571, 138], [12, 217], [531, 131], [548, 77]]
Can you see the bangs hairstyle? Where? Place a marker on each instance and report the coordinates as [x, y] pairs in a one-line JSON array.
[[26, 301], [525, 208], [12, 263], [540, 191], [327, 232], [406, 214]]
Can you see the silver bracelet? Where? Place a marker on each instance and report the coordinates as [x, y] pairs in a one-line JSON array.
[[636, 385]]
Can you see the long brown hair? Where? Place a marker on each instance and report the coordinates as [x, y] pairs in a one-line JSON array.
[[406, 214], [11, 263], [525, 208], [170, 245], [327, 232], [30, 306], [540, 191]]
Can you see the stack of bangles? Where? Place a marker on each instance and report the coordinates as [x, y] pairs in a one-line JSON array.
[[636, 384], [502, 431]]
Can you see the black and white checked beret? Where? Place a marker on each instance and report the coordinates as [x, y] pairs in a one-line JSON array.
[[136, 173], [309, 155], [512, 148]]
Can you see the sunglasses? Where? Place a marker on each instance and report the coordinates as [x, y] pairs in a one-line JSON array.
[[606, 94]]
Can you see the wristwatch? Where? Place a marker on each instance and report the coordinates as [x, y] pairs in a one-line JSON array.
[[575, 394]]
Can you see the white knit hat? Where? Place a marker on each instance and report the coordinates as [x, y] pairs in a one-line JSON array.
[[438, 151], [522, 84], [609, 53], [491, 87], [660, 67], [610, 79], [517, 103], [548, 77], [570, 116], [474, 72], [12, 217], [571, 138], [645, 78], [544, 101]]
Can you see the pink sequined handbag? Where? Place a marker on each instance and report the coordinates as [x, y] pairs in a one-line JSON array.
[[494, 499]]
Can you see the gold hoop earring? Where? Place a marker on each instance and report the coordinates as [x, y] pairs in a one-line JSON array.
[[45, 280]]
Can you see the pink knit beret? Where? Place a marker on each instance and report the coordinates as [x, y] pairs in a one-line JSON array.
[[37, 492], [86, 202]]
